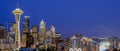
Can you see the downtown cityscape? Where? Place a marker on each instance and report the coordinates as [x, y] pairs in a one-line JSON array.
[[41, 38]]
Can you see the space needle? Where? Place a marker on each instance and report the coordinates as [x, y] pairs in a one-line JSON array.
[[17, 12]]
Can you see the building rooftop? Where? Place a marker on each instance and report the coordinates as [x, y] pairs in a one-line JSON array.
[[74, 37]]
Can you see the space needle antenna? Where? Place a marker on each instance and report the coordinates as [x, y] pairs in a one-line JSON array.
[[17, 4]]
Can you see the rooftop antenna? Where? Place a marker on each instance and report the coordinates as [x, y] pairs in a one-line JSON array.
[[17, 5]]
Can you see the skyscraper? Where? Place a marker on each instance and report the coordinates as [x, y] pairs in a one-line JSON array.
[[12, 33], [42, 33], [42, 28], [35, 31], [53, 29], [17, 12], [26, 33], [35, 34], [26, 24]]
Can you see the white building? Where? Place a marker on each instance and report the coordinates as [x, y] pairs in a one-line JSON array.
[[74, 44]]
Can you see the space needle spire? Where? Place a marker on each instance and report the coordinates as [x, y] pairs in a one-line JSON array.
[[17, 12]]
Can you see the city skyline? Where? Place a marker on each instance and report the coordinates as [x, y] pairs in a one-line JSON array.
[[59, 25], [66, 19]]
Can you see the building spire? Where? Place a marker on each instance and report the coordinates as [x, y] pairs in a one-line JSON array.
[[42, 21], [17, 4], [18, 10]]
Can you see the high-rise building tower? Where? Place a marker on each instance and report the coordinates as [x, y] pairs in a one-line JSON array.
[[17, 12], [35, 34], [52, 29], [12, 33], [42, 32], [26, 24], [42, 28], [35, 31], [26, 31]]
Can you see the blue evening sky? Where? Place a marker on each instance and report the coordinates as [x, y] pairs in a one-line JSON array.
[[90, 17]]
